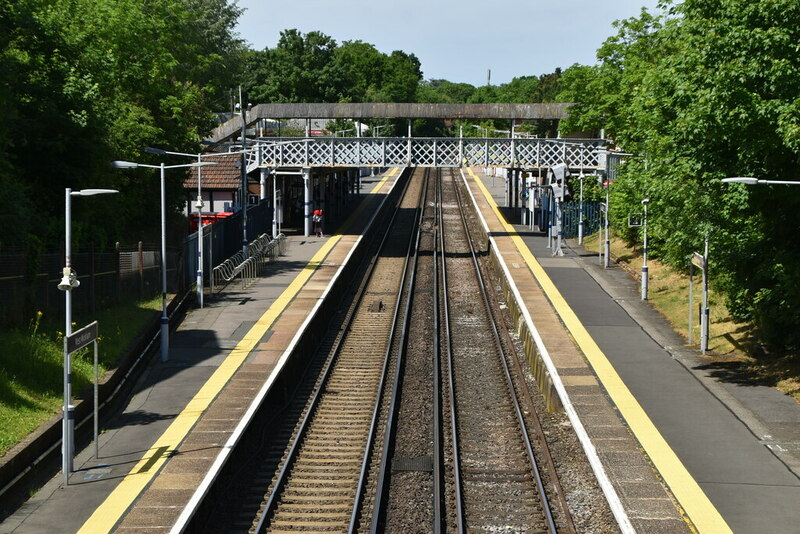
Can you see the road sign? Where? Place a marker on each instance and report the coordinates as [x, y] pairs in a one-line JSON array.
[[82, 337], [699, 261]]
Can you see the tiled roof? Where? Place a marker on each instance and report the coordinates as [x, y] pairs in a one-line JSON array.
[[224, 175]]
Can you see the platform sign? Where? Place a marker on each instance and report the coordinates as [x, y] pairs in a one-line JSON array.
[[82, 337], [699, 261]]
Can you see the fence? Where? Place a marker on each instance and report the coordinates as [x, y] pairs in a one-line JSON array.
[[571, 218], [570, 212], [28, 282]]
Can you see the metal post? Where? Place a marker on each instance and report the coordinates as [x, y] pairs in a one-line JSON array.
[[68, 410], [274, 205], [644, 253], [580, 212], [704, 317], [199, 235], [96, 412], [164, 317], [307, 201], [606, 261], [244, 175], [691, 305]]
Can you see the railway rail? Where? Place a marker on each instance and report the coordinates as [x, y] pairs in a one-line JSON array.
[[495, 478], [321, 483], [408, 419]]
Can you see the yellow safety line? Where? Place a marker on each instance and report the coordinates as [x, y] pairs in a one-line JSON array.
[[109, 513], [691, 497]]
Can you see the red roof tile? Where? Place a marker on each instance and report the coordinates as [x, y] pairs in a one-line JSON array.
[[224, 175]]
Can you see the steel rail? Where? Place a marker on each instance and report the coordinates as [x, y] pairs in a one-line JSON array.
[[504, 360], [439, 517], [457, 491], [378, 509], [294, 449]]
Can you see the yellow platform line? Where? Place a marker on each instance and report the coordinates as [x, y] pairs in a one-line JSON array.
[[112, 509], [699, 509]]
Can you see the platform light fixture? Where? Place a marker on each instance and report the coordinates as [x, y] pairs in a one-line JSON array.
[[162, 167]]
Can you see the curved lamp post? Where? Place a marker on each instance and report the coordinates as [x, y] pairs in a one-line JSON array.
[[164, 317], [68, 282]]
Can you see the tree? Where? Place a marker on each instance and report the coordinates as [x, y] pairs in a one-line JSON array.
[[85, 92], [703, 91], [301, 68]]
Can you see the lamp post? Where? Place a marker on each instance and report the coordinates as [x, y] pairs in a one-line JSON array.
[[199, 205], [69, 281], [645, 202], [162, 167], [749, 180]]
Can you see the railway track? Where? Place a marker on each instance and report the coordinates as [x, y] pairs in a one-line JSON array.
[[407, 420], [493, 475], [321, 482], [462, 456]]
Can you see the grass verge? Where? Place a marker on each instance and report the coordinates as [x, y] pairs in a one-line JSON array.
[[31, 365], [734, 352]]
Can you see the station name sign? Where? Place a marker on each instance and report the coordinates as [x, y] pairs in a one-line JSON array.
[[699, 261], [82, 337]]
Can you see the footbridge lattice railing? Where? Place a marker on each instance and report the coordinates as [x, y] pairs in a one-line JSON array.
[[521, 153]]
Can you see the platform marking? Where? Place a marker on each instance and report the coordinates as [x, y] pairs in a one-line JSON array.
[[106, 516], [692, 498]]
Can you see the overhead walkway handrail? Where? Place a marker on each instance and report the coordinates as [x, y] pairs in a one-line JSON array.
[[260, 251]]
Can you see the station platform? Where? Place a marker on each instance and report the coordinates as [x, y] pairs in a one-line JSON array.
[[679, 447], [728, 453], [155, 453]]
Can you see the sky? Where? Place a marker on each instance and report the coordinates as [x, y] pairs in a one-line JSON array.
[[455, 40]]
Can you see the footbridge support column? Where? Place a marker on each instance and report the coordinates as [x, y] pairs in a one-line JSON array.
[[306, 201]]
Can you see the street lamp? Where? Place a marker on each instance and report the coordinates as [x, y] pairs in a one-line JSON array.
[[749, 180], [68, 282], [645, 202], [164, 317], [199, 205]]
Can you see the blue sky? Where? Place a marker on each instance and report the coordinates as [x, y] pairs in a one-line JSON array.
[[454, 40]]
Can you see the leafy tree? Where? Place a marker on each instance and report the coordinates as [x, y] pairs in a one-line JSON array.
[[443, 91], [703, 91], [301, 68], [363, 66], [96, 80]]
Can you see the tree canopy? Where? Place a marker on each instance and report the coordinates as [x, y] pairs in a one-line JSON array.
[[88, 81], [702, 91], [312, 67]]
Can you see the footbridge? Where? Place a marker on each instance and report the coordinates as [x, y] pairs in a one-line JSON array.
[[509, 152]]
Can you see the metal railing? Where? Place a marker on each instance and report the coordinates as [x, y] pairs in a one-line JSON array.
[[427, 152], [260, 251]]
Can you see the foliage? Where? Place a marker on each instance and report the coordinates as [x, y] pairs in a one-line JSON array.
[[702, 91], [88, 81], [311, 67], [31, 365]]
